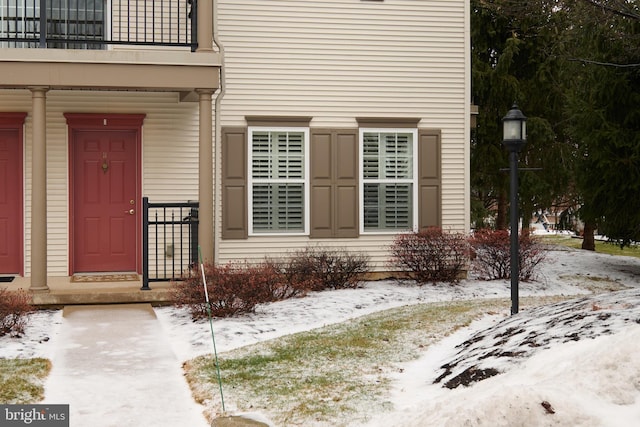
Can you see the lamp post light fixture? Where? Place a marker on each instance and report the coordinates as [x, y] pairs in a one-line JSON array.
[[514, 138]]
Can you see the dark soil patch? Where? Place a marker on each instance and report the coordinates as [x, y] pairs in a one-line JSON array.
[[471, 375]]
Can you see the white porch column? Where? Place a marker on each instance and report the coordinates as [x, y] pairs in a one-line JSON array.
[[39, 190], [205, 175]]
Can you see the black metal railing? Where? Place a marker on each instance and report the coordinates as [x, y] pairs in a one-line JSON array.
[[169, 241], [89, 25]]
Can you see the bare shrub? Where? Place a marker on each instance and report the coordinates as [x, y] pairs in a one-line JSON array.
[[291, 282], [431, 255], [14, 308], [299, 271], [326, 268], [237, 288], [492, 255], [233, 289]]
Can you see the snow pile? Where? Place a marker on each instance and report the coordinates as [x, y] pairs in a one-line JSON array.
[[573, 363], [519, 337], [585, 383]]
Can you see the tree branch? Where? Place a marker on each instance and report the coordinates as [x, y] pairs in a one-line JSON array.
[[626, 14], [606, 64]]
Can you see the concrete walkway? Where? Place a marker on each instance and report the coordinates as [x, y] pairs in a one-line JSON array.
[[114, 366]]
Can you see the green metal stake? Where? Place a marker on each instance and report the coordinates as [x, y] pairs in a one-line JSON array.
[[215, 352]]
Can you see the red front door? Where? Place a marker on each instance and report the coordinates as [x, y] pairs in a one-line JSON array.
[[10, 202], [105, 200]]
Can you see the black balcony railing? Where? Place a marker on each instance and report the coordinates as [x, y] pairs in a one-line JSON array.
[[87, 24], [169, 241]]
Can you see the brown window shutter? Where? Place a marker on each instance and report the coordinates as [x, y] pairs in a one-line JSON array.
[[321, 187], [234, 183], [429, 178], [334, 183], [346, 182]]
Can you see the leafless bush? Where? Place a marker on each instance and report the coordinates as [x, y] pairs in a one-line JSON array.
[[14, 308], [431, 255], [492, 255]]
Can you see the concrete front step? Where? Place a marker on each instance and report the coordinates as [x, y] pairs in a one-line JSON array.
[[237, 421], [63, 291], [101, 296]]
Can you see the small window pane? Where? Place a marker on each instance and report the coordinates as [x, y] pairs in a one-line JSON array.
[[388, 206], [397, 156], [371, 156], [397, 206], [278, 155], [262, 159], [392, 150], [278, 207]]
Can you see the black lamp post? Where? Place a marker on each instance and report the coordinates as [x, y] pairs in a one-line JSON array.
[[514, 138]]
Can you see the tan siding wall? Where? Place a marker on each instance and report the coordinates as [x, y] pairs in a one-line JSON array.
[[170, 147], [336, 60], [343, 58]]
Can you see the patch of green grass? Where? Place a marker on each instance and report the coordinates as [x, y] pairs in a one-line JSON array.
[[333, 375], [21, 380], [614, 249], [594, 284], [601, 247]]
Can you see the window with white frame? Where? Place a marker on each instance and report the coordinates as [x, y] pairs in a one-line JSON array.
[[388, 186], [278, 180]]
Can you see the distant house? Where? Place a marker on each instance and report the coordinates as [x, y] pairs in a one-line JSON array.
[[294, 123]]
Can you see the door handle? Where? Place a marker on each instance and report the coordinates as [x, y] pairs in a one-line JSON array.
[[130, 212]]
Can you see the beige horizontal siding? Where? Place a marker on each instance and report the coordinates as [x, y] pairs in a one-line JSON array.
[[336, 60], [240, 250], [351, 57]]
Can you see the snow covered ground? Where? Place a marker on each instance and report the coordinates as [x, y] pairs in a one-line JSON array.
[[574, 363], [570, 364]]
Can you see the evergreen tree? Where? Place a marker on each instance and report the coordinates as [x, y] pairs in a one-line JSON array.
[[514, 59], [603, 104]]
